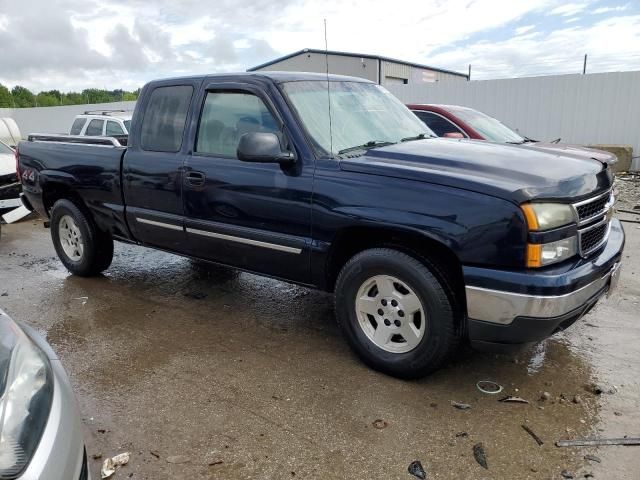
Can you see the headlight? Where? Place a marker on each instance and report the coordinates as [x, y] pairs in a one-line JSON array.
[[545, 216], [26, 391], [541, 254]]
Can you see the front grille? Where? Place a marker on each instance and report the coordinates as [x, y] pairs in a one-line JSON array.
[[592, 208], [593, 222], [593, 237]]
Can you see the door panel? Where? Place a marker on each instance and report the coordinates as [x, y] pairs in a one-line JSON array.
[[152, 169], [250, 215]]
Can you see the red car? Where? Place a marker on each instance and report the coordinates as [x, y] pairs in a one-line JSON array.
[[454, 121]]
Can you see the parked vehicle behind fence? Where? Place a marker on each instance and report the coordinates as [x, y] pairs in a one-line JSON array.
[[425, 242], [455, 121], [99, 123]]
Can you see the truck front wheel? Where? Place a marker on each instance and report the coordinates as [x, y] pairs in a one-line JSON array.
[[395, 313], [81, 246]]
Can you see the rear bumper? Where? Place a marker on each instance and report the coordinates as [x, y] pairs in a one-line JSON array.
[[509, 308]]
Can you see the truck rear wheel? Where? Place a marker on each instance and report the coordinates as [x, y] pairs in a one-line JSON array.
[[395, 313], [81, 246]]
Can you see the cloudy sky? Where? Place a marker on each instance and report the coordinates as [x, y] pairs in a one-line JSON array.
[[75, 44]]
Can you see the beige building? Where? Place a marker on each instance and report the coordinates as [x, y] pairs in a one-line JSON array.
[[381, 70]]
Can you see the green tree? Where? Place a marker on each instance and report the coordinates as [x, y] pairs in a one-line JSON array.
[[23, 97], [95, 95], [45, 99], [6, 100], [73, 98]]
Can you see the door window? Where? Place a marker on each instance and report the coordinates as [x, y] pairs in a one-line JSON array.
[[438, 124], [114, 128], [76, 128], [165, 117], [94, 129], [227, 116]]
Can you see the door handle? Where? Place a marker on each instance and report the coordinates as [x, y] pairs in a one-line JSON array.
[[196, 178]]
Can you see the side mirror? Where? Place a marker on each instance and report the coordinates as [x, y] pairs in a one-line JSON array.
[[263, 147], [453, 135]]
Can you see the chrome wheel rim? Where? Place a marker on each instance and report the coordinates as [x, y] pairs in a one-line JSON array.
[[390, 314], [70, 238]]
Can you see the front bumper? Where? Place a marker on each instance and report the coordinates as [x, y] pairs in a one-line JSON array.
[[60, 454], [515, 307]]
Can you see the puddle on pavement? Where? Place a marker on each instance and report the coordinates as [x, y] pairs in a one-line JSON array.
[[254, 373]]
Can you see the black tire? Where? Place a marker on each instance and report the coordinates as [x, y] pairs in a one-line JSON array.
[[97, 245], [440, 339]]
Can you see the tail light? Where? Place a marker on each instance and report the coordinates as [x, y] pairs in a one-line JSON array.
[[18, 164]]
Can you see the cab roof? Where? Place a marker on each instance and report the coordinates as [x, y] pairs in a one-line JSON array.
[[276, 77]]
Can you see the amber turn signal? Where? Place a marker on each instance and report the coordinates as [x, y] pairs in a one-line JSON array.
[[534, 255], [530, 216]]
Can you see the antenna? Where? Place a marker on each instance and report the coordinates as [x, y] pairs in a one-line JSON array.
[[326, 56]]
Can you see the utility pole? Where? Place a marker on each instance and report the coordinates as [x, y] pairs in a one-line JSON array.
[[584, 65], [469, 75]]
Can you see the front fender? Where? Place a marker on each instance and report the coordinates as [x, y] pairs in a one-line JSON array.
[[479, 229]]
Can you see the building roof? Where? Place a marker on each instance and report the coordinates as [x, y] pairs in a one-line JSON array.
[[355, 55]]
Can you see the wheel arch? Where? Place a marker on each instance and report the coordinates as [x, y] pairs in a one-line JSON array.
[[54, 190], [435, 252]]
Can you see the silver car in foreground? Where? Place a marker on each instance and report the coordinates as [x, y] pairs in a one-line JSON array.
[[40, 429]]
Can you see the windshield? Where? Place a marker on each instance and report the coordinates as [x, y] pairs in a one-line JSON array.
[[361, 113], [490, 128], [5, 149], [127, 125]]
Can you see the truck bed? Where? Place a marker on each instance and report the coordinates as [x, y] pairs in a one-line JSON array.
[[90, 167]]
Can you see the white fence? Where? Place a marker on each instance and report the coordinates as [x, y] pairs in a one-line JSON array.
[[55, 119], [581, 109]]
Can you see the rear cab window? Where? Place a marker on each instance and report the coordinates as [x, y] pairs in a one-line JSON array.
[[76, 128], [94, 129], [114, 129], [226, 116], [164, 120]]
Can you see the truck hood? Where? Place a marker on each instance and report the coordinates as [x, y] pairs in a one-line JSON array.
[[575, 150], [515, 173]]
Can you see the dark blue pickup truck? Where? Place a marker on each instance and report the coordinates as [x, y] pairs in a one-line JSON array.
[[334, 184]]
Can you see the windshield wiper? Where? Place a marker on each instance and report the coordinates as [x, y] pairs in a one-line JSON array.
[[519, 142], [420, 136], [369, 144]]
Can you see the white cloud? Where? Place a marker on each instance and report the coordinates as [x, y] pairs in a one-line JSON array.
[[569, 9], [560, 51], [76, 44], [524, 29], [601, 10]]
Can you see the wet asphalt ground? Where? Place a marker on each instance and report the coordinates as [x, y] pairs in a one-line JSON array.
[[214, 374]]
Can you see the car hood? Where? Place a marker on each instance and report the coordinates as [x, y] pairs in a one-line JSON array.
[[513, 172], [575, 150]]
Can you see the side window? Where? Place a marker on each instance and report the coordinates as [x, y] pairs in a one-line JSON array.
[[114, 128], [76, 128], [95, 128], [438, 124], [165, 117], [227, 116]]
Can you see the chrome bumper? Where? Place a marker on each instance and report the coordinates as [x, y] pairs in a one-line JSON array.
[[501, 307]]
